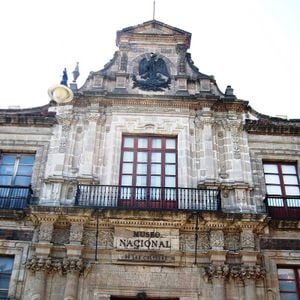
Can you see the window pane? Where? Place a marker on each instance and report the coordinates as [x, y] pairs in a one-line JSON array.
[[9, 158], [273, 190], [5, 180], [143, 143], [127, 168], [287, 285], [156, 157], [141, 169], [128, 142], [286, 296], [170, 143], [7, 169], [170, 158], [170, 181], [155, 181], [288, 169], [142, 156], [4, 281], [292, 190], [272, 179], [156, 169], [290, 179], [128, 156], [22, 180], [24, 170], [6, 264], [270, 168], [126, 180], [286, 273], [27, 160], [170, 169], [141, 180], [156, 143]]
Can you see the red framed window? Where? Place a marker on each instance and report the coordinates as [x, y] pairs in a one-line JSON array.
[[283, 191], [289, 283], [281, 179], [149, 165]]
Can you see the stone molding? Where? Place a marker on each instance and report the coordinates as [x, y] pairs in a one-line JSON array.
[[72, 265]]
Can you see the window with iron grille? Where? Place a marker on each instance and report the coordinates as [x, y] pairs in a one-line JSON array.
[[289, 283], [6, 265], [149, 164]]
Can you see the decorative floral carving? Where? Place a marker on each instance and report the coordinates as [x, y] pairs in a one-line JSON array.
[[76, 233], [247, 239], [216, 271], [48, 265], [72, 265], [217, 239], [255, 272], [232, 241], [45, 234]]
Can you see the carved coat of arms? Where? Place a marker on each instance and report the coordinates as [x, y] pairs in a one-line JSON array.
[[153, 74]]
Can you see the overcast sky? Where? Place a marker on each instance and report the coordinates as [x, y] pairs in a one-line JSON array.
[[252, 45]]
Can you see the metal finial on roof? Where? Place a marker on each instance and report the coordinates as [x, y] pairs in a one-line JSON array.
[[64, 80], [76, 72], [153, 9]]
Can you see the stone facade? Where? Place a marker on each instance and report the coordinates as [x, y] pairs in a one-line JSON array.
[[67, 249]]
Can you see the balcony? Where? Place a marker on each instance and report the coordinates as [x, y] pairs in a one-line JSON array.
[[14, 197], [285, 208], [148, 198]]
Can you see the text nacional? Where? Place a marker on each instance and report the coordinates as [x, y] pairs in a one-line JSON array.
[[144, 240]]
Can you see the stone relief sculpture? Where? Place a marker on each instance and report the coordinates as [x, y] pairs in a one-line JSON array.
[[153, 73]]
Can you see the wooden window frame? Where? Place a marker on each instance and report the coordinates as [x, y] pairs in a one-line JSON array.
[[296, 270]]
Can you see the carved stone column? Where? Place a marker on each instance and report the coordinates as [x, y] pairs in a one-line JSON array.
[[73, 268], [89, 140], [250, 274], [72, 264], [40, 267], [217, 274]]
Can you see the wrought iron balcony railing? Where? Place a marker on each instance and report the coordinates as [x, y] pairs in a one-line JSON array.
[[285, 208], [148, 198], [14, 197]]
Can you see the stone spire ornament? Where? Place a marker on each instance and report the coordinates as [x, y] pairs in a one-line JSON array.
[[76, 72]]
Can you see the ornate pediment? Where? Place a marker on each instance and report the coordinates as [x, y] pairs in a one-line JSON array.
[[153, 28]]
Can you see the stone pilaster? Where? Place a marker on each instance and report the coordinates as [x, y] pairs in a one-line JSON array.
[[89, 140], [250, 274], [73, 267], [216, 274]]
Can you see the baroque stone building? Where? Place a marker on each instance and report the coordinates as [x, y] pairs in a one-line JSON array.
[[148, 182]]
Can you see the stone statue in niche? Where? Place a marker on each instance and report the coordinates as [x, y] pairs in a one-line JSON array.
[[153, 73]]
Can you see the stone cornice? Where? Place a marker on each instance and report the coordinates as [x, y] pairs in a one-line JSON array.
[[270, 127]]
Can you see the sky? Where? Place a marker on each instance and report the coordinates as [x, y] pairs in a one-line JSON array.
[[252, 45]]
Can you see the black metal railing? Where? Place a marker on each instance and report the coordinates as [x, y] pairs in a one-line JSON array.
[[131, 197], [14, 197], [286, 208]]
